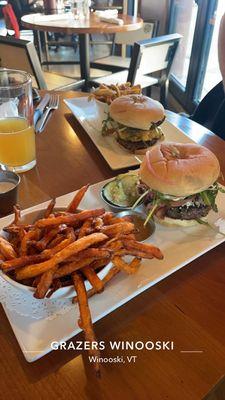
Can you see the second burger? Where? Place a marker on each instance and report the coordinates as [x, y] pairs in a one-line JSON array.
[[135, 119]]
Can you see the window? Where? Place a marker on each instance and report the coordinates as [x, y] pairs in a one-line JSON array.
[[184, 21], [193, 19], [212, 74]]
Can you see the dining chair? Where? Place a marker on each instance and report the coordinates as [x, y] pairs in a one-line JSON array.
[[14, 29], [117, 63], [149, 56], [21, 54]]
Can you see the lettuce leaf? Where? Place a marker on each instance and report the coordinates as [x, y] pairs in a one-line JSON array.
[[159, 199]]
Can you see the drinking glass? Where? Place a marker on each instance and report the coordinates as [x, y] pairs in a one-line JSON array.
[[78, 9], [17, 136], [81, 9], [60, 7]]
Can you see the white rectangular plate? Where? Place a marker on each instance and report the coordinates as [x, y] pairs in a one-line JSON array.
[[90, 115], [179, 245]]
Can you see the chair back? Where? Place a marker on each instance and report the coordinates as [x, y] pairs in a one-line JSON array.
[[147, 31], [153, 55], [22, 55], [11, 20]]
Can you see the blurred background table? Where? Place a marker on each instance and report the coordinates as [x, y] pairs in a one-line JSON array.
[[83, 28]]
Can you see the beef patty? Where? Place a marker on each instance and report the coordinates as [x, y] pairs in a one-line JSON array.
[[190, 212], [128, 144]]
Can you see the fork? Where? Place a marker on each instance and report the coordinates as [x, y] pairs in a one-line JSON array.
[[52, 105]]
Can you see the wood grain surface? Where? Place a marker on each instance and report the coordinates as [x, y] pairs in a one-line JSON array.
[[188, 307]]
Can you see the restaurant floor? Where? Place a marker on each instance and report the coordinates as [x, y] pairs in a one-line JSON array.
[[64, 53]]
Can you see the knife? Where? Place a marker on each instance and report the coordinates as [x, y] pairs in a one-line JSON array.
[[40, 108]]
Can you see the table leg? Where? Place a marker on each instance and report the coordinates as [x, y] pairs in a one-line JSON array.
[[38, 41], [46, 48], [84, 58]]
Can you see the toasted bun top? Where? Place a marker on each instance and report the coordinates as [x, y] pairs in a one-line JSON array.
[[179, 169], [136, 111]]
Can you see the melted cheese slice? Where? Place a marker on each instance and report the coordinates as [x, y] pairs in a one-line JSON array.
[[140, 135]]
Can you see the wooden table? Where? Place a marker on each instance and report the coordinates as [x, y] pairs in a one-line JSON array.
[[83, 28], [188, 307]]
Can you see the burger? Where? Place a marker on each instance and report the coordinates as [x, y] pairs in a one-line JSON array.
[[178, 183], [135, 119]]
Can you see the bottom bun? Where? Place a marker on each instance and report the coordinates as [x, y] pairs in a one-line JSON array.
[[185, 223]]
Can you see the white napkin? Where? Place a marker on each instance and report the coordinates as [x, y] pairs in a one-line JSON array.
[[107, 13], [112, 20]]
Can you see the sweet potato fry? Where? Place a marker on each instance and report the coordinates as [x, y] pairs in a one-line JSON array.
[[36, 258], [130, 236], [58, 239], [49, 236], [129, 268], [135, 264], [56, 284], [85, 317], [16, 228], [69, 219], [22, 261], [108, 93], [114, 244], [58, 213], [133, 252], [93, 278], [17, 215], [50, 208], [30, 235], [98, 223], [44, 283], [112, 272], [90, 252], [70, 234], [107, 217], [80, 262], [36, 281], [59, 247], [99, 263], [118, 228], [143, 247], [67, 269], [117, 220], [86, 228], [73, 248], [77, 199], [6, 249]]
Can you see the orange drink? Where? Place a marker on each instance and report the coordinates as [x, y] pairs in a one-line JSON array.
[[17, 136], [17, 142]]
